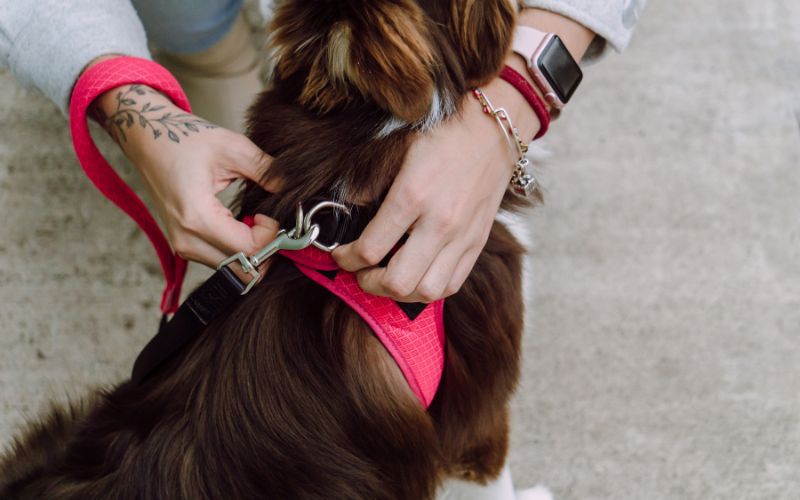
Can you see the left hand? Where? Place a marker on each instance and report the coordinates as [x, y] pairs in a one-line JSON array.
[[445, 197]]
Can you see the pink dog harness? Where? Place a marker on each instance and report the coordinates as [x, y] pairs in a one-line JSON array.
[[412, 333], [414, 338]]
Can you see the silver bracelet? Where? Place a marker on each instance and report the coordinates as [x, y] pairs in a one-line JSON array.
[[522, 181]]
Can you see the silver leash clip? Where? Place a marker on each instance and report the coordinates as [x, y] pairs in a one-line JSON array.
[[304, 233]]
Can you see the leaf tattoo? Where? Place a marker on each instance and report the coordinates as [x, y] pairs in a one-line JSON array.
[[128, 114]]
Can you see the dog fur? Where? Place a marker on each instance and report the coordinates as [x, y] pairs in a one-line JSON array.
[[289, 394]]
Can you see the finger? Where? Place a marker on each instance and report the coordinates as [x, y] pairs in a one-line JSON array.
[[452, 267], [221, 230], [434, 284], [392, 221], [407, 267], [462, 271], [265, 229], [195, 249], [468, 260], [200, 251], [252, 163]]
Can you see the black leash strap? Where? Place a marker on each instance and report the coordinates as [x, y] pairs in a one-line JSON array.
[[210, 299]]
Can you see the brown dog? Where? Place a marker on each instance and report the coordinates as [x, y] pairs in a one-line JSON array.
[[289, 394]]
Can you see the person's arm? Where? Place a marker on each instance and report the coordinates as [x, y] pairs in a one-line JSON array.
[[185, 161], [47, 43], [576, 37], [449, 190], [613, 22]]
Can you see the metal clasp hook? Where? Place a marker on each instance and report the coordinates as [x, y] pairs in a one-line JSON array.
[[301, 236]]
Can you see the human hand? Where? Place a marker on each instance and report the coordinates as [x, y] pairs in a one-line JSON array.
[[445, 197], [185, 161]]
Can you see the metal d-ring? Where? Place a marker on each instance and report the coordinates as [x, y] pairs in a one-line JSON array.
[[307, 221], [299, 221]]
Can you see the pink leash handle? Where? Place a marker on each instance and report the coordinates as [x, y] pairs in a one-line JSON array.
[[95, 81]]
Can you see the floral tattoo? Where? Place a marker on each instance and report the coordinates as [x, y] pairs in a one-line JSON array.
[[130, 113]]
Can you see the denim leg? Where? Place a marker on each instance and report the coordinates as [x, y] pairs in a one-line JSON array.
[[187, 26]]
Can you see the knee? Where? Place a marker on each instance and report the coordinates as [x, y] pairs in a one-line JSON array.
[[187, 26]]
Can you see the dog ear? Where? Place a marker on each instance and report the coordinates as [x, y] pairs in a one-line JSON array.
[[482, 31], [377, 49]]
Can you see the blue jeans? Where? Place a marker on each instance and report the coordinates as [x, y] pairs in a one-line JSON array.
[[187, 26]]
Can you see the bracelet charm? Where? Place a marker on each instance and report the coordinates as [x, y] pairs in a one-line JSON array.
[[523, 182]]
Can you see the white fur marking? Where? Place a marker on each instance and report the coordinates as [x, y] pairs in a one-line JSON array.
[[435, 114], [339, 51], [535, 493], [391, 126], [340, 190], [441, 108]]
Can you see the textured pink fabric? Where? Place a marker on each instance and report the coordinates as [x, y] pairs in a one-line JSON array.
[[417, 346], [95, 81]]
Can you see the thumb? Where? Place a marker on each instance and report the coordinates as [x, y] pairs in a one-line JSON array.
[[250, 162], [265, 230], [229, 236], [262, 231]]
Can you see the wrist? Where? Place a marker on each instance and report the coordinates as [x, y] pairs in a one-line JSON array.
[[575, 36], [119, 112], [118, 109], [522, 182], [543, 65], [110, 102]]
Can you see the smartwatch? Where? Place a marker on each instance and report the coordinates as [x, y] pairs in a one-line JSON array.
[[550, 64]]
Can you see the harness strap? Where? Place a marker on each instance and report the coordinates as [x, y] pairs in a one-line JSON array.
[[208, 301], [95, 81], [412, 333], [416, 341]]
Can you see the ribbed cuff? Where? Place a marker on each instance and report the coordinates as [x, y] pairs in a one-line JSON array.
[[50, 53], [613, 21]]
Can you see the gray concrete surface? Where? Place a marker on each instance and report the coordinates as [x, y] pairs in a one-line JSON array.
[[662, 359]]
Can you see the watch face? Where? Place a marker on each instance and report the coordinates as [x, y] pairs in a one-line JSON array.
[[560, 69]]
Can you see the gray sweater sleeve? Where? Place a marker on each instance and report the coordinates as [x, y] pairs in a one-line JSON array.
[[47, 43], [612, 20]]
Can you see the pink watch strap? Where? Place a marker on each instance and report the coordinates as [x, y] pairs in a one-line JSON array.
[[526, 41], [95, 81]]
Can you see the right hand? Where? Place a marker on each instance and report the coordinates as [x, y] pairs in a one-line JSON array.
[[185, 161]]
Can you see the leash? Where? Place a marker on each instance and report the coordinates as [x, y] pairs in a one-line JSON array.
[[95, 81], [220, 292]]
